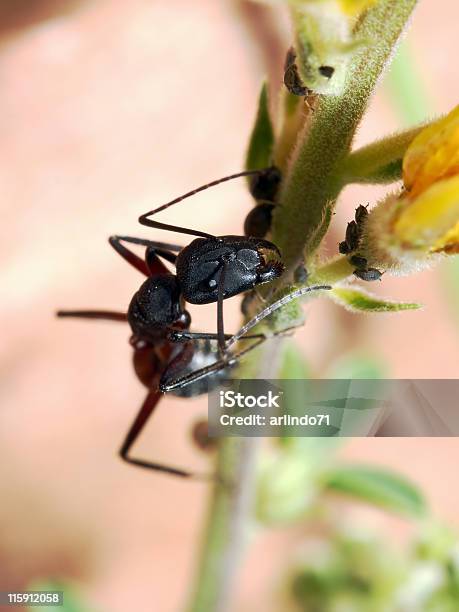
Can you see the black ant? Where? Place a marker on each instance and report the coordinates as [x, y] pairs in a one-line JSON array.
[[167, 356], [264, 188]]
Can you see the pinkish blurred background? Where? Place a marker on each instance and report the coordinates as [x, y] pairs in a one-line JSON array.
[[109, 109]]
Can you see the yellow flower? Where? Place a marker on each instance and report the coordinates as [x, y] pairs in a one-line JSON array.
[[355, 7], [433, 154], [427, 217]]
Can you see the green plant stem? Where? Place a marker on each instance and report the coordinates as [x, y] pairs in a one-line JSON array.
[[309, 191], [380, 161], [230, 508], [227, 520], [332, 272], [310, 188]]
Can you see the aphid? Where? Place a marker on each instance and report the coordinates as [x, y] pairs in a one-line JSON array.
[[362, 270], [292, 79], [354, 231], [368, 274], [352, 239], [361, 213]]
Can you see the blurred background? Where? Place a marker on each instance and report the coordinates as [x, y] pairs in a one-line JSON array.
[[108, 109]]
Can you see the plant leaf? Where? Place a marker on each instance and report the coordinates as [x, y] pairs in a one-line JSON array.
[[377, 486], [261, 144], [359, 300]]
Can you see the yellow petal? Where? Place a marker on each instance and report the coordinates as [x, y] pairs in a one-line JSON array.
[[355, 7], [450, 242], [431, 221], [433, 154]]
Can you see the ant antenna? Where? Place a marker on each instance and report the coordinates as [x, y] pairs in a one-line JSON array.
[[272, 308], [145, 220]]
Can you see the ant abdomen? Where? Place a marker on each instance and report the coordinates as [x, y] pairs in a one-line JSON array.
[[205, 354], [258, 222], [265, 184], [147, 365]]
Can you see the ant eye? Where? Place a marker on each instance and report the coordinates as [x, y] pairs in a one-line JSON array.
[[326, 71], [212, 282]]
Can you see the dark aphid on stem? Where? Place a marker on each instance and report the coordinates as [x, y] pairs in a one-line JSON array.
[[362, 270], [352, 239], [361, 213], [368, 274], [351, 243], [292, 78], [354, 231]]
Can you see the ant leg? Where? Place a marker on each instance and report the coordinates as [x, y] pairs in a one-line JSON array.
[[272, 308], [170, 384], [148, 406], [184, 336], [145, 220], [94, 314], [151, 257], [137, 262], [149, 265], [220, 318]]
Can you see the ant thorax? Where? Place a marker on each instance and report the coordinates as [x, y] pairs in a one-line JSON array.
[[156, 306], [245, 263]]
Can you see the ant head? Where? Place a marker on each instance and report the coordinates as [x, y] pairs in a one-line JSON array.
[[245, 262], [157, 305]]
